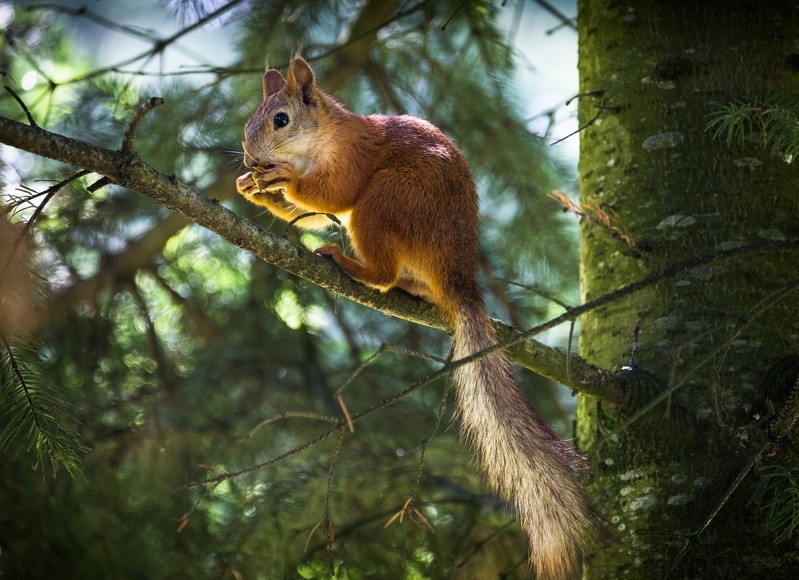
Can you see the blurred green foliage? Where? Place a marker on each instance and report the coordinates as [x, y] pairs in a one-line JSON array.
[[175, 351]]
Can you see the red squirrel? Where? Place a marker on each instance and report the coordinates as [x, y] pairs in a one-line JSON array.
[[408, 201]]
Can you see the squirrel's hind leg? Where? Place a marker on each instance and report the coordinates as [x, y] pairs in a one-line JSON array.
[[381, 274]]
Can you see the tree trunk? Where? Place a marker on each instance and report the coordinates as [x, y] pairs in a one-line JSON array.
[[675, 480]]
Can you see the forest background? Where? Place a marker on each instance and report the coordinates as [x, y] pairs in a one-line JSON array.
[[187, 391]]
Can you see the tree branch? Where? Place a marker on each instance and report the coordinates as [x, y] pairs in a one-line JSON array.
[[131, 172]]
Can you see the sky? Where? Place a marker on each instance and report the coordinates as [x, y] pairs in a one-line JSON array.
[[548, 72]]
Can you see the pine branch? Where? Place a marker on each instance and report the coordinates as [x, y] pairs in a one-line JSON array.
[[158, 44], [31, 412], [778, 489], [770, 121]]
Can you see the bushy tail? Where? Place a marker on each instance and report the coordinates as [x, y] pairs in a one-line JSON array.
[[523, 459]]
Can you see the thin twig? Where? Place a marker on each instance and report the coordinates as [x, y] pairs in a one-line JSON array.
[[186, 517], [457, 9], [328, 493], [409, 504], [96, 18], [49, 193], [286, 415], [99, 184], [564, 20], [21, 103], [347, 416], [383, 349], [382, 404], [158, 45], [542, 293]]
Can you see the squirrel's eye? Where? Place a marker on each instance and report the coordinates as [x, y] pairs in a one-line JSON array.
[[281, 120]]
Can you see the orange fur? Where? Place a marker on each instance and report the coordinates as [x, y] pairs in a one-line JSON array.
[[407, 198]]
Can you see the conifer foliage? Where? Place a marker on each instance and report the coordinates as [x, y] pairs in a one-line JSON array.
[[205, 414]]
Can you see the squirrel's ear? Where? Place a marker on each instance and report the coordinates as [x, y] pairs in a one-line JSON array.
[[273, 82], [301, 78]]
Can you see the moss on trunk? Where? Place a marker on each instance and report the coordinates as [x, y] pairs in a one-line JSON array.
[[651, 74]]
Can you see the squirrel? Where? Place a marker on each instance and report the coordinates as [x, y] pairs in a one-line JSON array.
[[405, 194]]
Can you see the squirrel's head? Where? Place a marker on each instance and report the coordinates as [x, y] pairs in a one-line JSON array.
[[283, 128]]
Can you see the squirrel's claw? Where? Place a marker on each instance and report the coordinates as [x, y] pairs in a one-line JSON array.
[[330, 251]]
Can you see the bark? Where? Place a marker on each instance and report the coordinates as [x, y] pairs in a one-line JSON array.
[[674, 477]]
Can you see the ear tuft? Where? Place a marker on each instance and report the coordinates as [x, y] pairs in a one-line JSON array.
[[273, 82], [301, 78], [301, 73]]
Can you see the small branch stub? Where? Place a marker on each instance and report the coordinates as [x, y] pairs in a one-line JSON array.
[[138, 117]]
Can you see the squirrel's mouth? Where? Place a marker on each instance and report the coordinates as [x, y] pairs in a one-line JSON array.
[[252, 163]]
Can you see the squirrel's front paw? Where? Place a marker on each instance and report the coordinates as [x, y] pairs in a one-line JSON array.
[[245, 184], [249, 185], [278, 176]]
